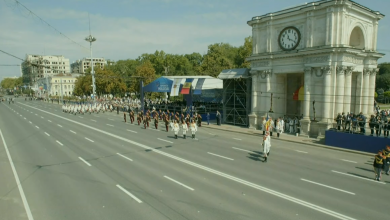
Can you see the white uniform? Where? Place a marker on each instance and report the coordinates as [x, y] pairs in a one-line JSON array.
[[193, 129], [279, 127], [176, 128], [266, 145], [185, 129]]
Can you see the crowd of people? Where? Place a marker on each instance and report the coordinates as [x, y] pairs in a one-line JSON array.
[[281, 125]]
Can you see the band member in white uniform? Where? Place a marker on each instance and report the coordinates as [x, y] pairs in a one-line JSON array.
[[176, 128], [279, 127], [185, 129], [266, 146], [193, 129]]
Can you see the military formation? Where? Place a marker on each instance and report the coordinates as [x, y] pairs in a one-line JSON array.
[[174, 121]]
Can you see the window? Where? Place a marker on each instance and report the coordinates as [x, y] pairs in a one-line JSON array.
[[55, 81]]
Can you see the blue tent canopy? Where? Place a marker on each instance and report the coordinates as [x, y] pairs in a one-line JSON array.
[[159, 85]]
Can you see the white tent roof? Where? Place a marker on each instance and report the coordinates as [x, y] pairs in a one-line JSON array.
[[209, 83]]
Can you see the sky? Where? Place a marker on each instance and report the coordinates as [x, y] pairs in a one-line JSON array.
[[125, 29]]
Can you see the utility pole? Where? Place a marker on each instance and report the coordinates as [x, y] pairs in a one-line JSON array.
[[91, 39]]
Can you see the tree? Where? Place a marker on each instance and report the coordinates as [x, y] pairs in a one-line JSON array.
[[383, 81], [384, 68], [244, 52], [144, 72], [108, 82], [219, 57]]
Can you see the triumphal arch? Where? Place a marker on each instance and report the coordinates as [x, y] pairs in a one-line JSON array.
[[314, 60]]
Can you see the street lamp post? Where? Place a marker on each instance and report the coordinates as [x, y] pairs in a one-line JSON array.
[[91, 39]]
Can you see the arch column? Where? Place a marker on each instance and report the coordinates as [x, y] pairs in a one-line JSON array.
[[254, 98], [340, 89], [372, 91], [327, 74], [348, 89], [306, 86], [365, 90]]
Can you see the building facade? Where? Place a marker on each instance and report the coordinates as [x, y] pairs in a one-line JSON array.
[[63, 84], [329, 48], [47, 65], [80, 66]]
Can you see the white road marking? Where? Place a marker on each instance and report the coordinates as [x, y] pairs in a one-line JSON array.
[[111, 119], [165, 140], [24, 118], [89, 140], [211, 133], [80, 117], [36, 114], [181, 184], [349, 161], [131, 131], [110, 125], [22, 195], [210, 170], [59, 143], [153, 129], [238, 139], [124, 156], [36, 126], [85, 161], [93, 120], [59, 125], [328, 186], [301, 151], [30, 122], [128, 193], [47, 134], [55, 110], [42, 117], [72, 131], [243, 150], [347, 174], [48, 120], [220, 156]]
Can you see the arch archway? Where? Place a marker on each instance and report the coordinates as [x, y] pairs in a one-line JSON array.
[[356, 39]]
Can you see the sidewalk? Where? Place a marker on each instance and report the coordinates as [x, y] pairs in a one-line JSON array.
[[283, 137]]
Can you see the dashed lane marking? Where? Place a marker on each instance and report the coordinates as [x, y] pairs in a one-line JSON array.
[[124, 156]]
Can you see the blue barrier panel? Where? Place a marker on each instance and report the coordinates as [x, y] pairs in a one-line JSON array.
[[357, 142]]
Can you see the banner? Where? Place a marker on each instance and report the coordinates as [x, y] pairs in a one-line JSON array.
[[198, 87], [175, 87], [187, 86]]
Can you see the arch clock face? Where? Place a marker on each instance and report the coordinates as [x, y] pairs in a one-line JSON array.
[[289, 38]]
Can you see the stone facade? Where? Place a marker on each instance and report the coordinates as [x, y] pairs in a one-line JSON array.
[[333, 57]]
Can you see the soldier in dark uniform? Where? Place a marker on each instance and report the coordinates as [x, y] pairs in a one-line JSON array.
[[188, 120], [339, 121], [117, 109], [156, 121], [131, 116], [386, 153], [145, 121], [199, 120], [139, 118], [372, 124], [148, 119], [379, 161], [166, 119]]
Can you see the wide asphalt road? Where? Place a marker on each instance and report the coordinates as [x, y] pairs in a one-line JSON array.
[[98, 167]]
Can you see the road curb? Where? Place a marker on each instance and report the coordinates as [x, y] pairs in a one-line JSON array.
[[301, 142]]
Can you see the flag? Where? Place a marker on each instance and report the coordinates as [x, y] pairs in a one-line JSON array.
[[187, 86], [175, 87], [268, 123], [198, 87]]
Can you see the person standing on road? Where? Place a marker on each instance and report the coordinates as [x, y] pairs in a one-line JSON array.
[[208, 118], [279, 127], [266, 146], [166, 119], [175, 128], [156, 121], [379, 161], [185, 129], [386, 166], [193, 129]]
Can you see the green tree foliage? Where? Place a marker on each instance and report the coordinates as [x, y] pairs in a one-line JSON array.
[[244, 52], [11, 83], [143, 72]]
